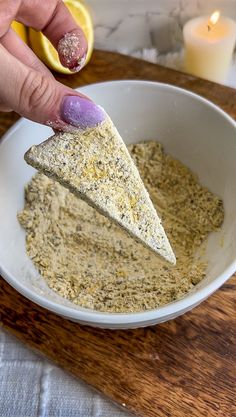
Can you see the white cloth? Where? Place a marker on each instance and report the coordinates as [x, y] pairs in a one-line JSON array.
[[31, 386]]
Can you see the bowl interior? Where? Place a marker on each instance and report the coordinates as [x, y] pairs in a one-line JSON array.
[[190, 128]]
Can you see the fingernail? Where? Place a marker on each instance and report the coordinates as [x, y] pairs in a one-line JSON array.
[[72, 50], [81, 112], [79, 64]]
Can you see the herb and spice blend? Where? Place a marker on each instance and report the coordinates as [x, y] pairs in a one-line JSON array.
[[92, 262], [96, 166]]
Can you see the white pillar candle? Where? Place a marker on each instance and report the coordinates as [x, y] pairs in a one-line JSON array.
[[209, 44]]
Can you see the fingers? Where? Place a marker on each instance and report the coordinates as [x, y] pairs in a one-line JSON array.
[[4, 108], [28, 92], [14, 44], [8, 12], [36, 96], [55, 21]]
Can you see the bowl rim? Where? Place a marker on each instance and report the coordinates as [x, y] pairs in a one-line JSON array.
[[94, 317]]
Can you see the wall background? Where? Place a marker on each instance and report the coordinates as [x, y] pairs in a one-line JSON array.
[[131, 25]]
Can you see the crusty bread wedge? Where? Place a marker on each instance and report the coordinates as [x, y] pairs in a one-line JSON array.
[[96, 166]]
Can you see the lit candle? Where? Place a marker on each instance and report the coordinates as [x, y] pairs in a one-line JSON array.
[[209, 44]]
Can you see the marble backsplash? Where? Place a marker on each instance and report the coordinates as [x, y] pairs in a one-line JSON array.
[[132, 25]]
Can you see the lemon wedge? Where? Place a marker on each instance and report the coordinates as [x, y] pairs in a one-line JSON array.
[[43, 48], [20, 30]]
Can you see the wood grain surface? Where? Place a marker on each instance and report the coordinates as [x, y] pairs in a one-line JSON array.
[[186, 367]]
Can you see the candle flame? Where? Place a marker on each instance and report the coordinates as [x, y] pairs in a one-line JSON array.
[[214, 18]]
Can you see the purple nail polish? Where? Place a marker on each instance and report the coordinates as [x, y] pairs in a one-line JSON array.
[[81, 112]]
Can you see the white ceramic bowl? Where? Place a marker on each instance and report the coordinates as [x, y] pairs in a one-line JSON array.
[[192, 129]]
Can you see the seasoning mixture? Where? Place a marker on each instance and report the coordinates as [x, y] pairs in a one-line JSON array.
[[94, 263]]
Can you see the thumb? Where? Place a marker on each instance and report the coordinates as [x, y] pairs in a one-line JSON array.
[[42, 99]]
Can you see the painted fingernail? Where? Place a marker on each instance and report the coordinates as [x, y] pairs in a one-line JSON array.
[[72, 50], [79, 64], [81, 112]]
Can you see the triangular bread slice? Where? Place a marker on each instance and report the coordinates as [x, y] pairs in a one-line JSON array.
[[96, 166]]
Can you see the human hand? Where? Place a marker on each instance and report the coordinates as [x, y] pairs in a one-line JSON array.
[[26, 85]]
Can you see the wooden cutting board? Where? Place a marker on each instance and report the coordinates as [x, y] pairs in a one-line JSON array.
[[186, 367]]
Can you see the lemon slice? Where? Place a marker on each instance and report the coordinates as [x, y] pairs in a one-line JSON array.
[[43, 48], [20, 30]]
